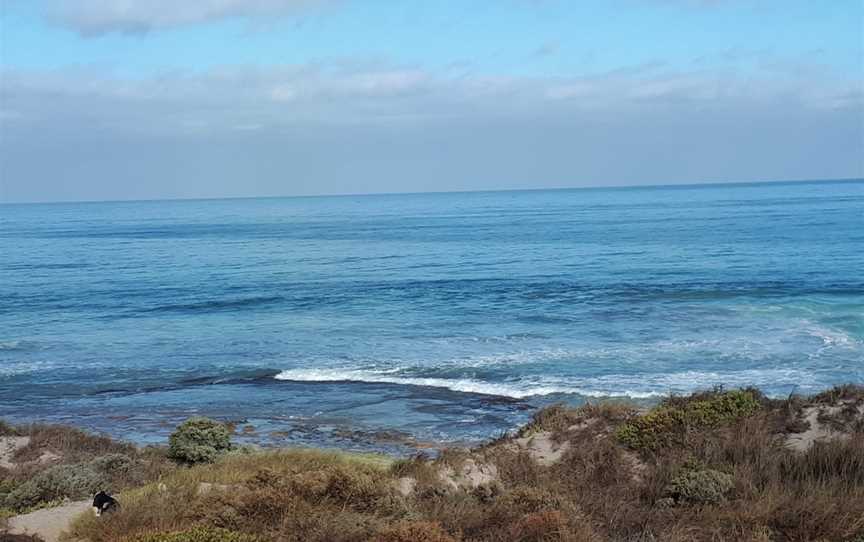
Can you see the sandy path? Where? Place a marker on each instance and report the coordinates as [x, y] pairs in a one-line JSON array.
[[48, 522]]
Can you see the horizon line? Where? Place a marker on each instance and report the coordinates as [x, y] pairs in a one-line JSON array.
[[466, 191]]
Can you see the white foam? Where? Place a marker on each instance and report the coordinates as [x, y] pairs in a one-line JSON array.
[[516, 390], [635, 386], [693, 380], [519, 357], [830, 337], [14, 369], [462, 385]]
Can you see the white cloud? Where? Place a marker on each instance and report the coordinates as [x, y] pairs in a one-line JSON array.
[[93, 17], [342, 127], [341, 91], [386, 82]]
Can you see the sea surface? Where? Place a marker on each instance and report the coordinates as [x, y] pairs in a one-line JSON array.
[[369, 322]]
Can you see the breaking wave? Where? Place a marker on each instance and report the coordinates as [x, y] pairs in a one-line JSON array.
[[635, 386]]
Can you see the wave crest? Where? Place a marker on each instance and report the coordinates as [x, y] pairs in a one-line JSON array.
[[515, 390]]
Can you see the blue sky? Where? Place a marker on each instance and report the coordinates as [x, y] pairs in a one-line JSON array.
[[135, 99]]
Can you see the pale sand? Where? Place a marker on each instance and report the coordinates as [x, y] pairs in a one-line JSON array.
[[817, 431], [48, 522]]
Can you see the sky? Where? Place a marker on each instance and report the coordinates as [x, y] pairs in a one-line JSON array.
[[126, 99]]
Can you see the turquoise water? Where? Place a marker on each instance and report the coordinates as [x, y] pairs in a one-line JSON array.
[[360, 321]]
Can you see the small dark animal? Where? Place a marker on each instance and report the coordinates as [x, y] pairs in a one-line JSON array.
[[103, 502]]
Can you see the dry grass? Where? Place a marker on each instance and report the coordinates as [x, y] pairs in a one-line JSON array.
[[62, 462], [72, 444], [554, 419], [755, 488], [5, 537], [414, 531], [314, 495], [846, 392]]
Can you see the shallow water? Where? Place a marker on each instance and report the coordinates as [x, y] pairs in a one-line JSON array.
[[363, 321]]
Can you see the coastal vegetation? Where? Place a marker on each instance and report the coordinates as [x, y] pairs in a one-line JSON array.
[[199, 440], [720, 465], [51, 463], [675, 418]]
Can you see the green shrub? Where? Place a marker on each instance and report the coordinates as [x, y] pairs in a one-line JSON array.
[[66, 481], [199, 534], [705, 486], [59, 482], [199, 440], [7, 485], [666, 424], [113, 465], [21, 497]]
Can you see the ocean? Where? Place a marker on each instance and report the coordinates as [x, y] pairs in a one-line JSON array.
[[381, 322]]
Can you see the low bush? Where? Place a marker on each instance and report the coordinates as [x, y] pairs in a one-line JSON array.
[[7, 485], [700, 486], [668, 424], [198, 534], [73, 481], [56, 483], [199, 440], [113, 465], [24, 496]]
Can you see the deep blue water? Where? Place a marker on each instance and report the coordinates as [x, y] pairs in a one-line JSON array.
[[343, 320]]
